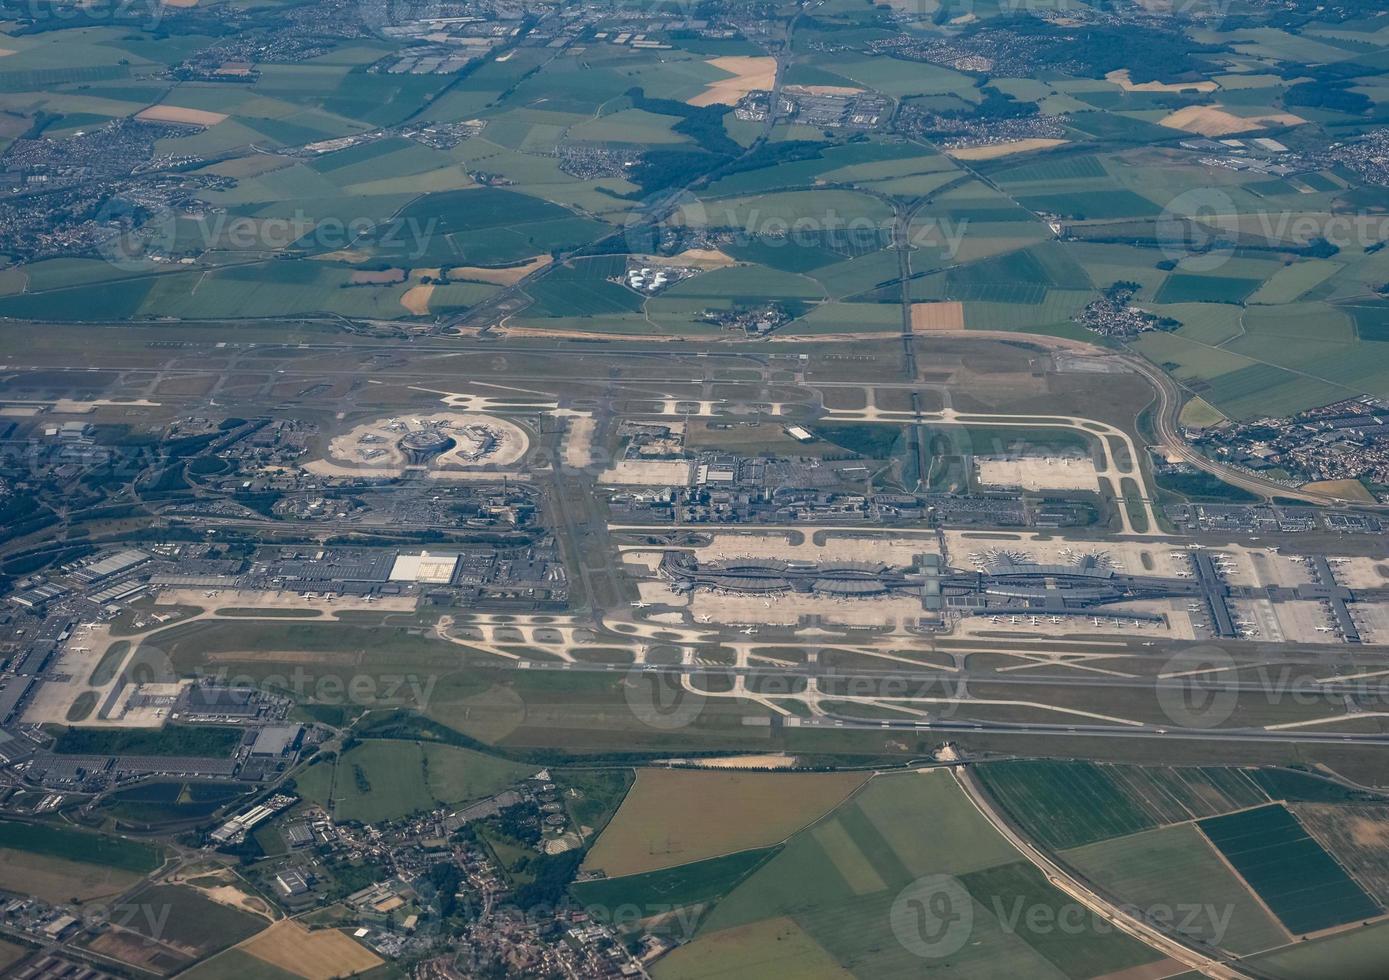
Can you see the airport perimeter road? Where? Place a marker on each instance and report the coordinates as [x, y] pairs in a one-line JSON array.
[[1124, 920], [1169, 435]]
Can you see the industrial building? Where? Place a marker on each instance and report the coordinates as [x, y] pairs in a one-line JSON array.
[[1007, 584], [425, 568]]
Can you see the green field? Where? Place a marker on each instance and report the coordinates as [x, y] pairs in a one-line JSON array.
[[838, 880], [76, 845], [163, 802], [1066, 804], [386, 780], [237, 965], [980, 231], [1357, 955], [184, 919], [579, 713], [657, 891], [105, 669], [11, 953], [1290, 872]]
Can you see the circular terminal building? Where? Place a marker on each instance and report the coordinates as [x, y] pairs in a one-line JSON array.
[[423, 445]]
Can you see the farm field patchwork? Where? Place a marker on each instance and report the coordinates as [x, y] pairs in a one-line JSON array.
[[1066, 804], [838, 879], [239, 235], [177, 926]]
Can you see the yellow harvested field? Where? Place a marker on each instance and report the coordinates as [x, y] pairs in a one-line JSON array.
[[178, 114], [1211, 120], [416, 299], [1122, 79], [996, 150], [772, 760], [343, 255], [700, 258], [672, 816], [57, 880], [1344, 489], [931, 317], [508, 276], [319, 955], [749, 74]]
